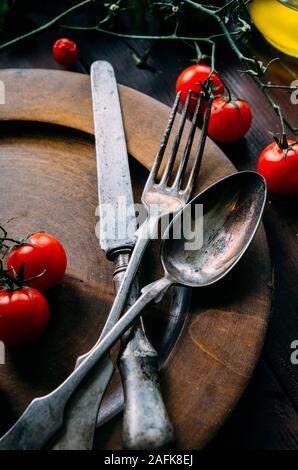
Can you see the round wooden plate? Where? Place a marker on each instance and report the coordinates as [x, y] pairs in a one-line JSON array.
[[48, 181]]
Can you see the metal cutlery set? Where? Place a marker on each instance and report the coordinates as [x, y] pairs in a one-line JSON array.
[[232, 210]]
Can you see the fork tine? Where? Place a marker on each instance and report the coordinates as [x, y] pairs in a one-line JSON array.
[[172, 157], [158, 159], [198, 158], [188, 146]]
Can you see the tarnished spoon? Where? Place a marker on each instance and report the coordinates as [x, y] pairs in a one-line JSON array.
[[232, 210]]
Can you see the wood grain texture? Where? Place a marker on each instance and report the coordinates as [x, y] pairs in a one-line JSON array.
[[48, 180]]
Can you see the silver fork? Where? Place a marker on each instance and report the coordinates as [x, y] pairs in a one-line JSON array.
[[138, 361]]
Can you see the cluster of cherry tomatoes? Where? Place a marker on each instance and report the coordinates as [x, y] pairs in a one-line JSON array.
[[32, 267], [230, 119]]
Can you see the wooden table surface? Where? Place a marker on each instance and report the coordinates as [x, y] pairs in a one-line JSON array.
[[266, 416]]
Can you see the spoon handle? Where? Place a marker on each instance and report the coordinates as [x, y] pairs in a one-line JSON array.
[[44, 415]]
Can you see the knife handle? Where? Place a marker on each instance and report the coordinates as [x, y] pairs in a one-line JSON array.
[[146, 424]]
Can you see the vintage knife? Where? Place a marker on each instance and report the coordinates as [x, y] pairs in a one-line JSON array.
[[115, 195]]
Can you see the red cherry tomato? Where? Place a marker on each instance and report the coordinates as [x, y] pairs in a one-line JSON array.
[[190, 79], [24, 315], [229, 123], [65, 51], [280, 173], [44, 254]]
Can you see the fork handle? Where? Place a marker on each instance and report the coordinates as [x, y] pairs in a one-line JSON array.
[[146, 424]]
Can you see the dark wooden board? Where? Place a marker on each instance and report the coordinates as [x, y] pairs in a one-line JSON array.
[[49, 181], [270, 403]]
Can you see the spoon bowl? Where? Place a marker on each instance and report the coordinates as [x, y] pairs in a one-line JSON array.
[[216, 229]]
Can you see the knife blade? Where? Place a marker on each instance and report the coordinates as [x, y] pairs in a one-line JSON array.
[[114, 183]]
